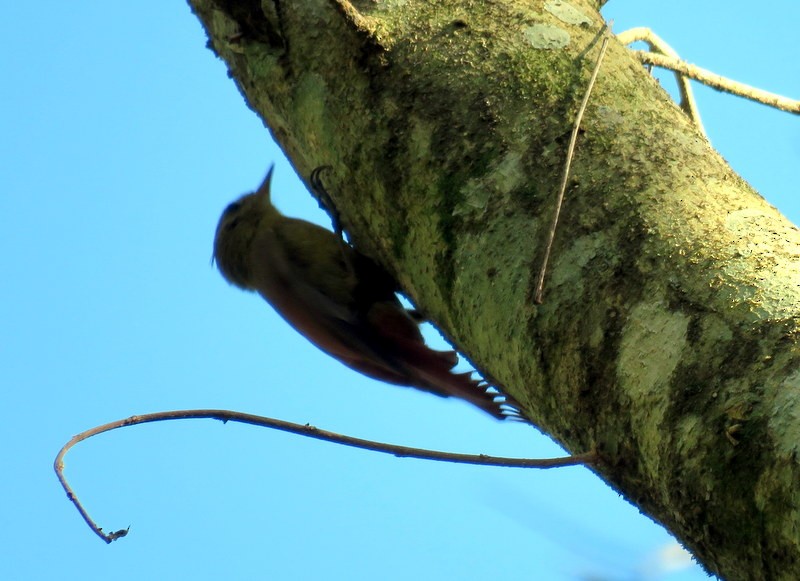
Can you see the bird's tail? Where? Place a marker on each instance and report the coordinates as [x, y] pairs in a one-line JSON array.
[[409, 361], [433, 371]]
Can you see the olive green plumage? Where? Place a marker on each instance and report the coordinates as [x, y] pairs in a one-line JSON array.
[[338, 298]]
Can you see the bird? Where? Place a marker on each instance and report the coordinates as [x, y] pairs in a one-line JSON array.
[[338, 298]]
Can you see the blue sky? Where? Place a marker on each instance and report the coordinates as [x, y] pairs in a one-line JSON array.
[[122, 140]]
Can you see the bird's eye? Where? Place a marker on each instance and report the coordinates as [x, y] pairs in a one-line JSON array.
[[230, 217], [232, 208]]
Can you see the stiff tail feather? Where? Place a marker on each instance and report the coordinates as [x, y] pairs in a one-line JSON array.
[[432, 371]]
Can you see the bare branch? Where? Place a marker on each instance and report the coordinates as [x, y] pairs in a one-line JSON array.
[[303, 430], [657, 45], [719, 82], [664, 56], [565, 177]]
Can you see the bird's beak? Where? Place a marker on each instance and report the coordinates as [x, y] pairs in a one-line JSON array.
[[263, 189]]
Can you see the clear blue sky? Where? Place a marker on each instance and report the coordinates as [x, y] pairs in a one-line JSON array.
[[121, 141]]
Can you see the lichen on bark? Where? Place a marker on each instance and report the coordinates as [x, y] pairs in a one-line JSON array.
[[668, 333]]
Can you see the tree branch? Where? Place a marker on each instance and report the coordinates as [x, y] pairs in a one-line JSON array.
[[539, 292], [669, 337], [665, 57], [719, 82], [302, 430], [657, 44]]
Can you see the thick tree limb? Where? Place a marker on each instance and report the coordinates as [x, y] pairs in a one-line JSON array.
[[668, 337]]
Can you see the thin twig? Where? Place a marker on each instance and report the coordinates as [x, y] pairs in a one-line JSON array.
[[657, 45], [719, 82], [565, 178], [303, 430]]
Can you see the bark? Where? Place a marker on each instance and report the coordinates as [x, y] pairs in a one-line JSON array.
[[668, 337]]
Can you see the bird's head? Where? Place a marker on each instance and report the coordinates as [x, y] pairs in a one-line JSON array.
[[236, 230]]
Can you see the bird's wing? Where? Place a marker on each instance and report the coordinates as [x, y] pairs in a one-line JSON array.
[[315, 264], [346, 305], [308, 275]]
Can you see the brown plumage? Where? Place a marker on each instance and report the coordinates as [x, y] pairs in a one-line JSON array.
[[337, 298]]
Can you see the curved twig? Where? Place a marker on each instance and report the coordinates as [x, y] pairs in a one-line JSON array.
[[303, 430]]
